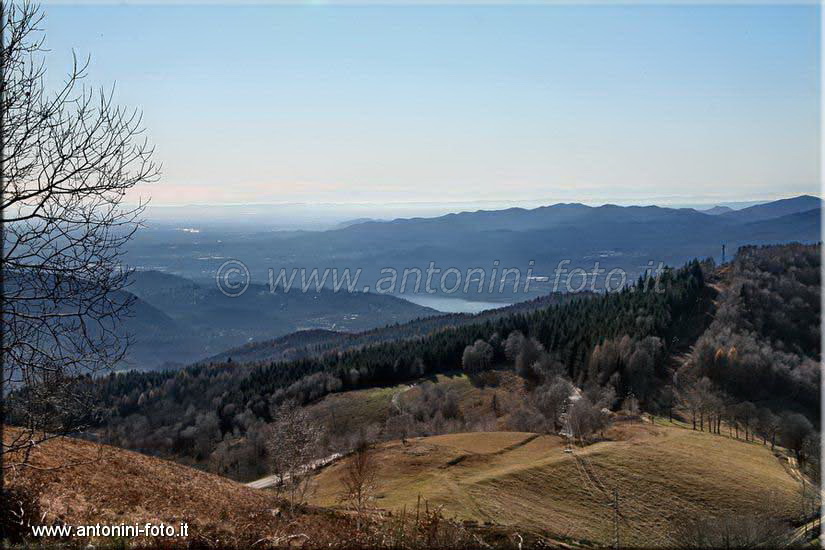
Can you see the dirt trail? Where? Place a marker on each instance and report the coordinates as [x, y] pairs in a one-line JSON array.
[[461, 458], [269, 481], [397, 395]]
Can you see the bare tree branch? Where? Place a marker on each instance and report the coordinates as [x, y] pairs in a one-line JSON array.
[[67, 159]]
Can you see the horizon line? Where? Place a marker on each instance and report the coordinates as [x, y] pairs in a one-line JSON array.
[[539, 202]]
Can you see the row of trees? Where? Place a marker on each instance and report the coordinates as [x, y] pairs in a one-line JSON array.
[[709, 408]]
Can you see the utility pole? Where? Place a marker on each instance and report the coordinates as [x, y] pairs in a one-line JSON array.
[[804, 510], [616, 519]]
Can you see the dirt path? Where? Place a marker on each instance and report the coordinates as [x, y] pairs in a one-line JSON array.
[[396, 396], [517, 445], [269, 481]]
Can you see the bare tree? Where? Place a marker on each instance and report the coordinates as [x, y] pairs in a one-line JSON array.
[[698, 397], [67, 159], [551, 399], [746, 413], [359, 479], [768, 426], [292, 444], [733, 531], [585, 418], [477, 357]]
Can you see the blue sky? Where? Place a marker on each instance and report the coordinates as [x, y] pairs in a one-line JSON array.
[[526, 104]]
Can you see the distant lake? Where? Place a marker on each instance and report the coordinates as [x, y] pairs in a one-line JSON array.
[[452, 305]]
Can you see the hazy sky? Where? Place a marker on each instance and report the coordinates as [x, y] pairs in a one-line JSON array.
[[382, 104]]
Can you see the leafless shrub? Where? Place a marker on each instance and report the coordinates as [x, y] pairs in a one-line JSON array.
[[399, 426], [732, 531], [550, 399], [428, 411], [292, 443], [527, 418], [359, 480], [585, 418], [422, 528]]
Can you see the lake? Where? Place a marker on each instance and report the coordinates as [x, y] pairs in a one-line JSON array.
[[452, 305]]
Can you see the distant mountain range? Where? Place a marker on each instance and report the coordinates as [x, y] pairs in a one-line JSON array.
[[186, 318], [615, 236], [775, 209]]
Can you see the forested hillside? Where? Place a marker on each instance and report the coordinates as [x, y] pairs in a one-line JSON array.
[[314, 343], [758, 365], [734, 346], [764, 343], [191, 413], [180, 321]]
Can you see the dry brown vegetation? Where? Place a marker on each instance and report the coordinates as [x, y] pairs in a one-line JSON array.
[[82, 483], [665, 475]]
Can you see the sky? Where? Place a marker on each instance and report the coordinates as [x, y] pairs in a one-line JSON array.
[[433, 104]]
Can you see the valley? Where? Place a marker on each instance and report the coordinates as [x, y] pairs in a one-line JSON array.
[[435, 276], [176, 321], [617, 237], [674, 411], [642, 415]]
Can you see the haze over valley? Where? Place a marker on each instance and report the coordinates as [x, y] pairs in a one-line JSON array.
[[188, 318]]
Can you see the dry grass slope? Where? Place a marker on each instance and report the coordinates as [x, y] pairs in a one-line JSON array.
[[83, 483], [664, 475]]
